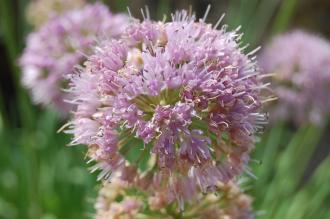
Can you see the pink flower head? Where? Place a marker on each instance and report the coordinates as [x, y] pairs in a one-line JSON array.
[[59, 45], [300, 62], [184, 90]]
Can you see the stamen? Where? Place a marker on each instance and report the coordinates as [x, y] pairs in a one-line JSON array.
[[238, 28], [129, 13], [254, 51], [142, 12], [269, 99], [267, 75], [64, 127], [219, 21], [147, 12], [164, 18], [247, 76], [206, 12], [249, 173]]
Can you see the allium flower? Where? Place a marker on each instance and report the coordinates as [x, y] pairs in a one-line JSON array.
[[300, 63], [62, 43], [119, 200], [40, 11], [182, 91]]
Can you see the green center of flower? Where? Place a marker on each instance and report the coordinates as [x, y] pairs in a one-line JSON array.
[[147, 104]]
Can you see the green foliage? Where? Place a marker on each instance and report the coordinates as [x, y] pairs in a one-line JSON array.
[[40, 177], [280, 190]]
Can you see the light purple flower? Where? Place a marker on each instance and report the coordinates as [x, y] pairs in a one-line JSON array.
[[116, 200], [107, 204], [300, 63], [59, 45], [39, 12], [186, 91]]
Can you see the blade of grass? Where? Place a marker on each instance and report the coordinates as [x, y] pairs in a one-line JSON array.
[[121, 5], [13, 43], [297, 158], [267, 202], [240, 13], [284, 15], [261, 19], [247, 10], [7, 26], [269, 154], [290, 167], [244, 12], [163, 9], [308, 202], [4, 122], [319, 188]]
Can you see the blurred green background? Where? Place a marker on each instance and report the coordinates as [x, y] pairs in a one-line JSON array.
[[40, 177]]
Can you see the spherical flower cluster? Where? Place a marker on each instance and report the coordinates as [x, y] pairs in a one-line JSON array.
[[62, 43], [300, 63], [119, 200], [183, 90], [40, 11]]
